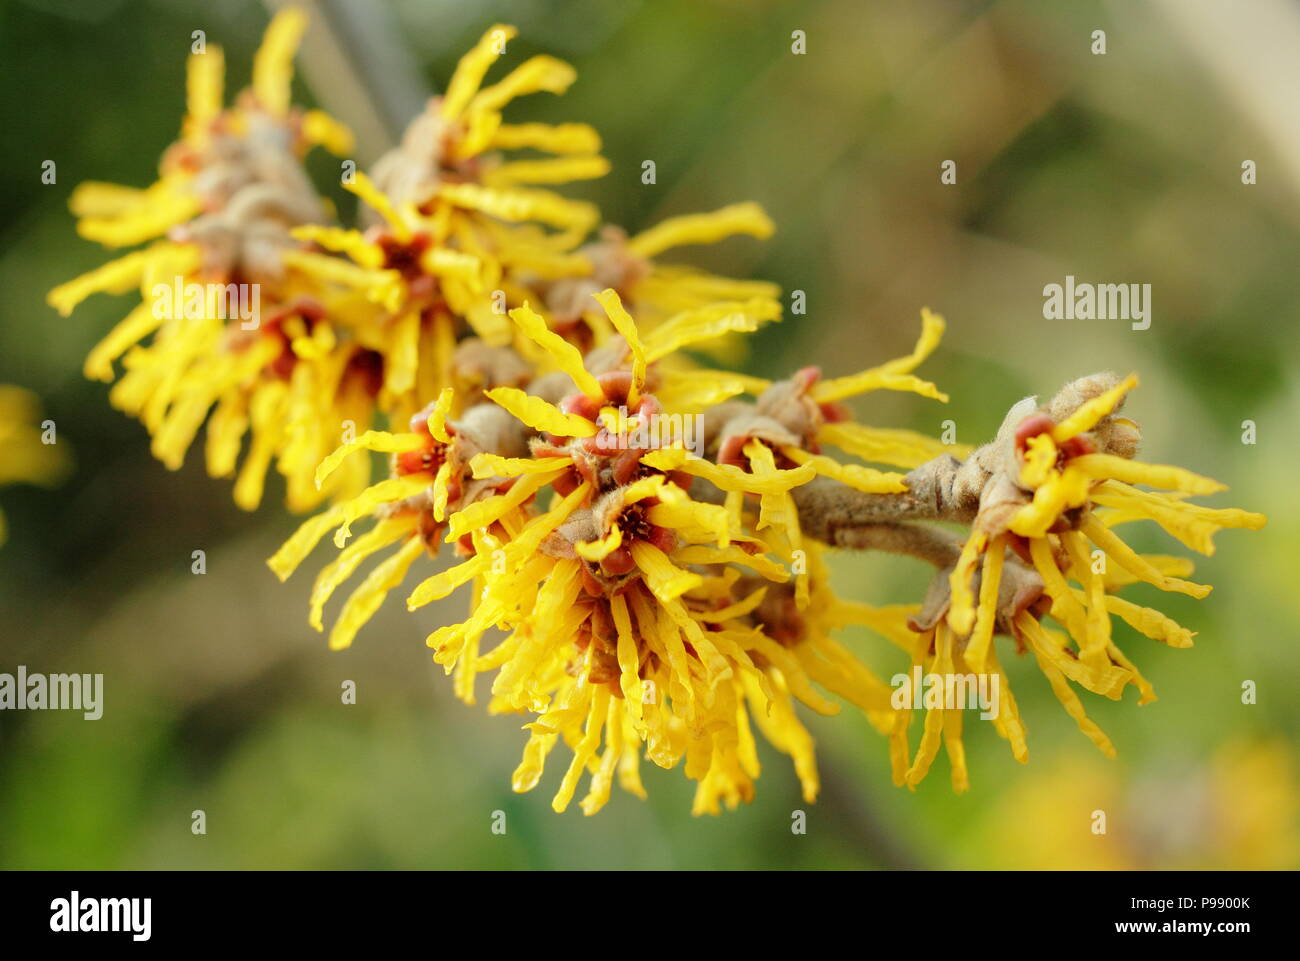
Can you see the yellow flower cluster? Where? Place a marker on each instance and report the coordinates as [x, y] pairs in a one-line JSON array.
[[660, 597], [1075, 484], [217, 224], [641, 541], [348, 328], [653, 601]]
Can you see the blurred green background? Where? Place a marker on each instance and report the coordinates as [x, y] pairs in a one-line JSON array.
[[1122, 168]]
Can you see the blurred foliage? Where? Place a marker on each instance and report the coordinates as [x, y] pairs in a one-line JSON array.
[[1115, 168]]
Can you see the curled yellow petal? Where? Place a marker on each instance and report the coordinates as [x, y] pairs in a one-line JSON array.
[[441, 491], [1090, 412], [301, 543], [517, 204], [730, 478], [318, 127], [443, 583], [376, 440], [893, 375], [1061, 688], [1059, 493], [137, 325], [550, 170], [744, 218], [898, 448], [393, 489], [436, 422], [473, 67], [540, 415], [341, 240], [204, 85], [705, 554], [494, 465], [708, 323], [564, 138], [539, 73], [961, 613], [1131, 561], [372, 196], [597, 550], [384, 533], [273, 62], [1108, 466], [623, 323], [865, 479], [482, 514], [661, 575], [567, 357], [115, 277], [368, 597], [1040, 458], [1193, 524], [986, 610]]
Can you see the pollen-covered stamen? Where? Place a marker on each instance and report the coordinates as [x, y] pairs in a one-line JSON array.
[[605, 537], [636, 526]]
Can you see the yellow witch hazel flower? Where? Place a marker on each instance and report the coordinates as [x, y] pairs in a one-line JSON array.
[[787, 425], [639, 618], [662, 588], [450, 168], [654, 290], [221, 153], [236, 336], [25, 455], [458, 233], [451, 162], [647, 536], [1042, 501], [285, 333]]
